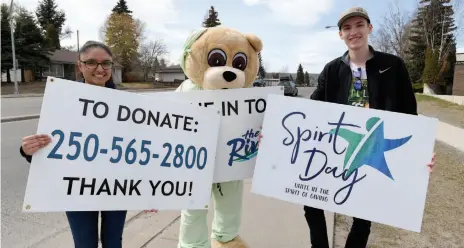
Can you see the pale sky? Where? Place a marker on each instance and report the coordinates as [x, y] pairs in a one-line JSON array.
[[292, 31]]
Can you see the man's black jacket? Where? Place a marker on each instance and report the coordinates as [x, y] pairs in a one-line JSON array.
[[388, 83]]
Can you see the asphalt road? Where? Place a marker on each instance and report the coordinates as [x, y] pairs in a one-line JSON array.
[[24, 230], [21, 106], [305, 92], [32, 105], [20, 229]]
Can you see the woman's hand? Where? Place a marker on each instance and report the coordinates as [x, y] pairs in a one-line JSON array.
[[151, 211], [33, 143], [432, 163]]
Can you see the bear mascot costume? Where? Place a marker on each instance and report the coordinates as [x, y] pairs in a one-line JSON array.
[[218, 58]]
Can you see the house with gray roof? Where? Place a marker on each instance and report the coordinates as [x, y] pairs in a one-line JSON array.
[[170, 74], [458, 81]]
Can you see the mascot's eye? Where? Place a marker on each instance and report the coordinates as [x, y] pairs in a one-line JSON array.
[[240, 61], [217, 57]]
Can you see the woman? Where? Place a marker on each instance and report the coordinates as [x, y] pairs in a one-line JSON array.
[[95, 63]]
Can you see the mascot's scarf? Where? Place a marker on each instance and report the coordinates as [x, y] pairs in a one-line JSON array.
[[194, 35]]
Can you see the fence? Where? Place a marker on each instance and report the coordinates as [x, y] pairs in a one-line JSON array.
[[271, 81]]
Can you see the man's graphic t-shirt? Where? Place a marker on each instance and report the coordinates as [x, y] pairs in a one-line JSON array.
[[358, 91]]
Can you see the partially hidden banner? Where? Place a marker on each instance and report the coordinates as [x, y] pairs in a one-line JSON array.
[[115, 150], [364, 163], [242, 112]]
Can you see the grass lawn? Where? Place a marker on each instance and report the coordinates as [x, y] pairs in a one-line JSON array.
[[145, 85], [137, 85], [438, 101], [443, 214]]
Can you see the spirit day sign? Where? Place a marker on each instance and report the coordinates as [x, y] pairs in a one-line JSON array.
[[115, 150], [242, 112], [364, 163]]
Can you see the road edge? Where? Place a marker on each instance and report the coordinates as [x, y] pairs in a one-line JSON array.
[[19, 118]]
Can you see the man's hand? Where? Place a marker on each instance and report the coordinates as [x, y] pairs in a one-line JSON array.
[[432, 163], [260, 136]]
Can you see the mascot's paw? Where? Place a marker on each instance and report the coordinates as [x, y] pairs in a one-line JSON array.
[[237, 242]]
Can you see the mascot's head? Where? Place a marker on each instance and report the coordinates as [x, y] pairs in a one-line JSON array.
[[221, 58]]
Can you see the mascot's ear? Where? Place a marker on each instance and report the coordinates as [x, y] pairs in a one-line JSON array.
[[255, 42]]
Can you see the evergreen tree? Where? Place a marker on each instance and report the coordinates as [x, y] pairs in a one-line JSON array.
[[262, 70], [121, 7], [307, 79], [162, 63], [299, 76], [438, 27], [156, 64], [51, 20], [415, 55], [123, 35], [6, 54], [448, 75], [211, 20], [31, 46]]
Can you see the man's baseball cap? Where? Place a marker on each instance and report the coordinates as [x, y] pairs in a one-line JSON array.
[[353, 11]]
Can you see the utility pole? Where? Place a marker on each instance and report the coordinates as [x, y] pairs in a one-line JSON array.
[[77, 41], [13, 48], [76, 67]]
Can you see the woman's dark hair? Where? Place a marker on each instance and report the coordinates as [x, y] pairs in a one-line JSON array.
[[95, 44]]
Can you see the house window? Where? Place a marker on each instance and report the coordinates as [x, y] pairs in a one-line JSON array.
[[56, 70]]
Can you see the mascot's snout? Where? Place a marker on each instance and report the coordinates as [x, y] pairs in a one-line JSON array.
[[229, 76]]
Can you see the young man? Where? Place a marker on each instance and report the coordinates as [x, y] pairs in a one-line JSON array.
[[366, 78]]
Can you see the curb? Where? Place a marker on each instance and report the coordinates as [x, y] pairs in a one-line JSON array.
[[19, 118], [23, 95]]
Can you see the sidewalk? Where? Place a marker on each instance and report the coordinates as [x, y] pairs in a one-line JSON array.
[[451, 135], [265, 223]]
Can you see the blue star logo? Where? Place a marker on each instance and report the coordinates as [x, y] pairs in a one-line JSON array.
[[369, 149]]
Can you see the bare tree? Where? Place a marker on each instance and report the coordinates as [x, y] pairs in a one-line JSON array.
[[392, 35], [284, 69], [66, 33], [148, 54]]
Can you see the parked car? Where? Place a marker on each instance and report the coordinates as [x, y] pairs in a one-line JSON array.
[[290, 88], [259, 83]]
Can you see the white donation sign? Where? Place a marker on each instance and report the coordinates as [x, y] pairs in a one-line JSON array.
[[115, 150], [360, 162], [242, 112]]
